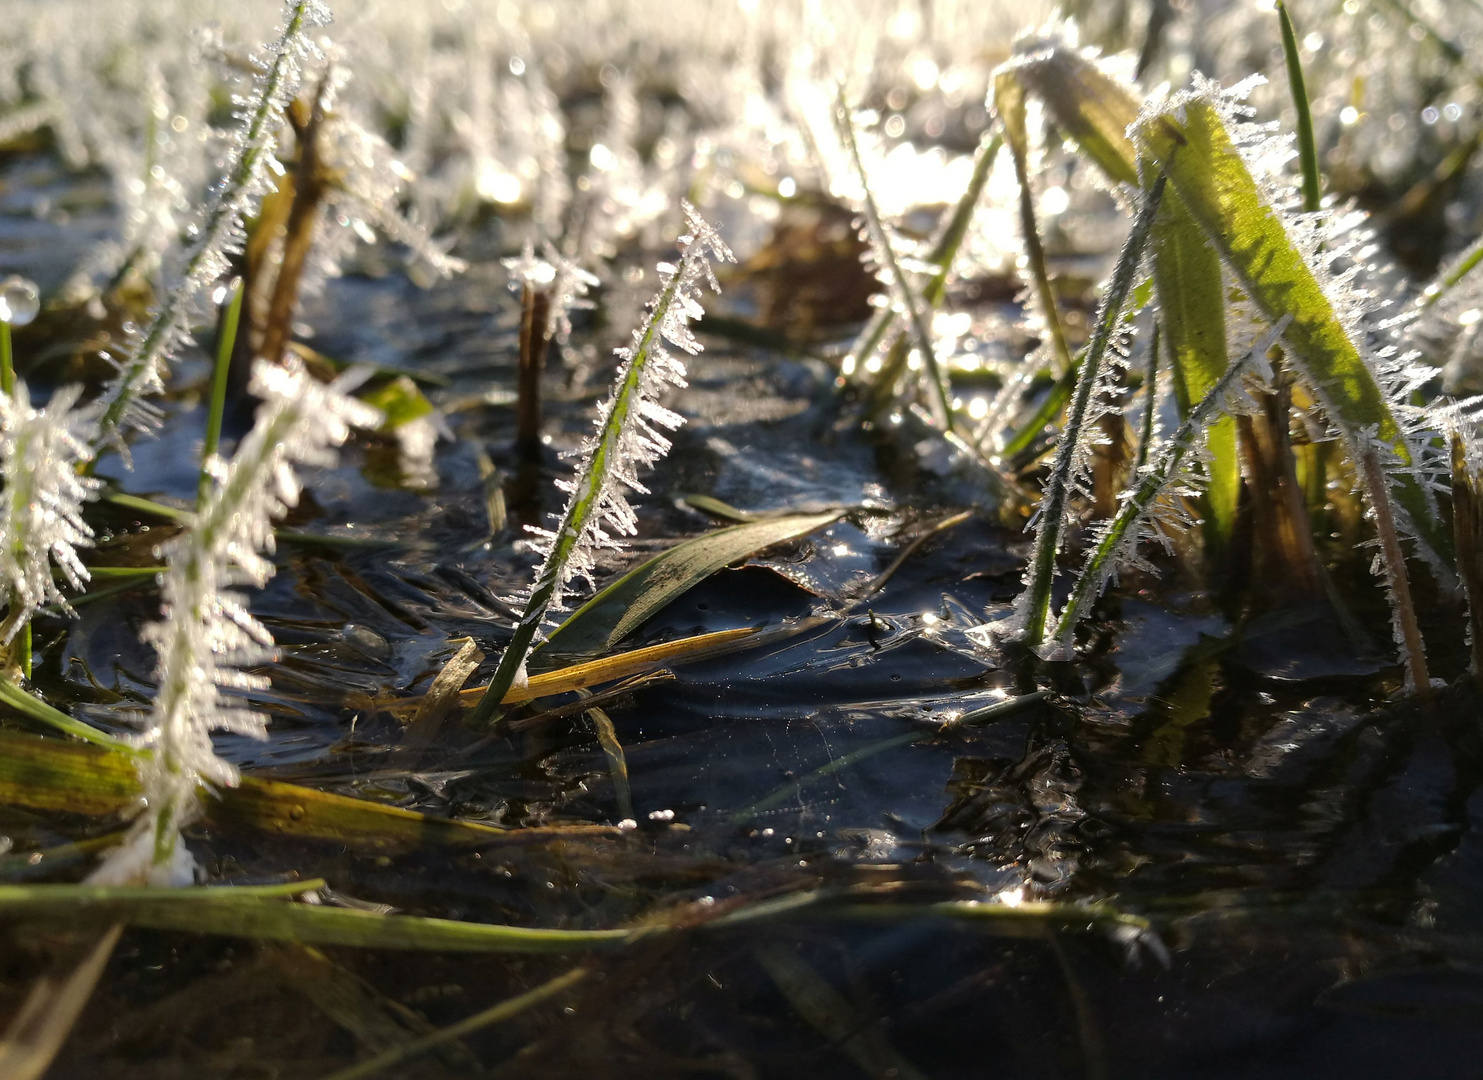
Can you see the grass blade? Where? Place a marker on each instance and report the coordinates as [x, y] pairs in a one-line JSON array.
[[902, 290], [1307, 147], [263, 913], [505, 1010], [1191, 288], [49, 1013], [1032, 609], [1223, 197], [1120, 536]]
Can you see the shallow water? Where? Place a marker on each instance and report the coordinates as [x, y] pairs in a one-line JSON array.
[[1307, 856]]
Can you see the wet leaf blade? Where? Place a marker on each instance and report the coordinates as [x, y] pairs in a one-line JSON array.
[[53, 775], [263, 913], [627, 603]]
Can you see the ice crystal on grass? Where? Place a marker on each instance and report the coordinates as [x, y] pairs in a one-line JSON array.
[[207, 640], [41, 525], [247, 174], [629, 437]]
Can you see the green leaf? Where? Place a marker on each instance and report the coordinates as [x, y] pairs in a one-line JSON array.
[[1088, 104], [401, 402], [627, 603], [1307, 147], [1191, 287], [1225, 200]]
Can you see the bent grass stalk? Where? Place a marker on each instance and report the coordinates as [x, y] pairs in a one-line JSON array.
[[944, 252], [626, 439], [900, 286], [1033, 606]]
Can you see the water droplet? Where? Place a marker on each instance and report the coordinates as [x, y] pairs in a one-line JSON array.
[[19, 301]]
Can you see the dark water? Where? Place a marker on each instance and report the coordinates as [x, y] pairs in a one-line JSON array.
[[1305, 853]]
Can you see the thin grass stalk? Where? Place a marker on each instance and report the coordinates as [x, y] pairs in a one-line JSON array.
[[226, 341], [1034, 603], [504, 1010], [1449, 278], [1467, 523], [1307, 146], [139, 374], [1393, 561], [311, 182], [899, 283], [1122, 531], [944, 252], [596, 494], [1009, 102]]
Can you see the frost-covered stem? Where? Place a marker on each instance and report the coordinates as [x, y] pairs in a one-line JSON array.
[[624, 440], [174, 721], [582, 505], [1034, 603], [1137, 503], [217, 232], [1393, 561], [1467, 524], [1448, 279], [41, 524], [942, 406], [225, 343], [943, 253]]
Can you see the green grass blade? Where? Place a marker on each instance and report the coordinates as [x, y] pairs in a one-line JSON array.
[[1192, 310], [36, 709], [1033, 606], [226, 341], [1307, 147], [1448, 279], [1147, 422], [1223, 197], [1089, 105], [261, 913]]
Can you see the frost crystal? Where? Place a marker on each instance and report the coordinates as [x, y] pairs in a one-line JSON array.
[[41, 523], [208, 640]]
